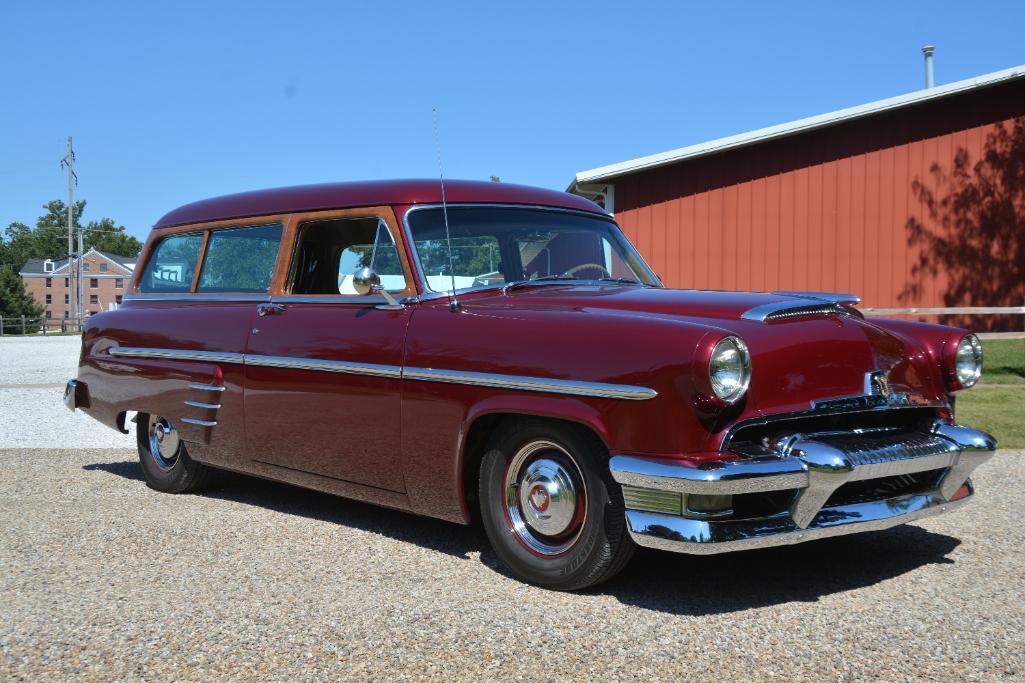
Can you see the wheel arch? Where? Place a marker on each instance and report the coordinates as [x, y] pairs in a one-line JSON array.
[[486, 417]]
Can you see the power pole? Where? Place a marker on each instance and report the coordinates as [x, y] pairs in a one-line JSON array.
[[69, 161]]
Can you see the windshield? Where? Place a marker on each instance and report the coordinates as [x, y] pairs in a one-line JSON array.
[[497, 246]]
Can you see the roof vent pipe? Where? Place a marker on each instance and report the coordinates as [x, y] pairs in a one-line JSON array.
[[928, 50]]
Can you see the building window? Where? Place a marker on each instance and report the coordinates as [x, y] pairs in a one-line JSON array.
[[119, 283], [49, 282], [94, 282], [67, 282], [49, 298], [103, 267], [94, 298], [66, 314], [85, 266], [118, 298], [49, 314], [66, 302]]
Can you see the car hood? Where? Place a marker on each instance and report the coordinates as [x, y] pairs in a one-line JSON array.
[[795, 361]]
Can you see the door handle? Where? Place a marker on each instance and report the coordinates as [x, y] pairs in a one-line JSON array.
[[270, 309]]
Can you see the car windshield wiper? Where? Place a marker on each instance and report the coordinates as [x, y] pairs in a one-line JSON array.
[[537, 281], [624, 280]]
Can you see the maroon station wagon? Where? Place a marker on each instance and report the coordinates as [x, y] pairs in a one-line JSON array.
[[507, 356]]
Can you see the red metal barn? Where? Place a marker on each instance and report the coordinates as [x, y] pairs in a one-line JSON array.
[[913, 201]]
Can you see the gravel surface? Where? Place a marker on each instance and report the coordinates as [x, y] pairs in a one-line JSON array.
[[33, 372], [101, 577]]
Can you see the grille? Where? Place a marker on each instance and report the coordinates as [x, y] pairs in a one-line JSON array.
[[883, 488], [755, 437], [867, 449]]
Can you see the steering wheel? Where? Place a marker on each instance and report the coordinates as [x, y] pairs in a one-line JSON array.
[[584, 266]]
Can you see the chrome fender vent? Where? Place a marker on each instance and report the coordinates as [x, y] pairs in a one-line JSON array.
[[802, 305]]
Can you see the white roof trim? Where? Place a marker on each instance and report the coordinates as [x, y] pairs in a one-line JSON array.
[[793, 127]]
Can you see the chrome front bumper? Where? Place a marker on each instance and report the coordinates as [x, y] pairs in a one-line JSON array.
[[814, 467]]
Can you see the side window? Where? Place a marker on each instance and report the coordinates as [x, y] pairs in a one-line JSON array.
[[329, 252], [172, 264], [240, 259]]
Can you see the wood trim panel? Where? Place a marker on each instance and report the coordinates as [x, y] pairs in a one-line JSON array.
[[289, 233]]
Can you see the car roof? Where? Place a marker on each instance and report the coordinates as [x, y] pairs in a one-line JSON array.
[[367, 193]]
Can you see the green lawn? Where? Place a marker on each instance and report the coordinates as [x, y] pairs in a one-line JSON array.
[[999, 410]]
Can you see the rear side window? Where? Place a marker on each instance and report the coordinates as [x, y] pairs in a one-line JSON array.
[[172, 265], [240, 259]]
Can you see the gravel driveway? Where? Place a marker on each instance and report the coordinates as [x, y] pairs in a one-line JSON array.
[[100, 577]]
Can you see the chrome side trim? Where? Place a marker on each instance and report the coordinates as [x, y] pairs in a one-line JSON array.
[[707, 537], [541, 384], [315, 364], [176, 354], [200, 423], [521, 383], [207, 387], [207, 406]]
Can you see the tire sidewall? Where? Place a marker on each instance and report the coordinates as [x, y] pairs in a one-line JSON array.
[[170, 480], [575, 566]]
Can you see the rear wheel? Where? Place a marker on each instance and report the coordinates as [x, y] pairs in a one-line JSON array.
[[165, 461], [550, 508]]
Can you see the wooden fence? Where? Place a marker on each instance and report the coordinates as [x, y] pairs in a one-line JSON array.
[[27, 325]]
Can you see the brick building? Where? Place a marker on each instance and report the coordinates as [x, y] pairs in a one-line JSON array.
[[51, 282]]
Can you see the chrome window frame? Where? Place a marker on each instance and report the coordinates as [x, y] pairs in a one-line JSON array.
[[290, 273], [428, 293]]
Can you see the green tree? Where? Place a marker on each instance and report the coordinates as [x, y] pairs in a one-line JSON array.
[[104, 235], [49, 237], [14, 300]]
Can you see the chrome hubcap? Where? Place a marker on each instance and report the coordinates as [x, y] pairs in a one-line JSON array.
[[164, 443], [545, 498]]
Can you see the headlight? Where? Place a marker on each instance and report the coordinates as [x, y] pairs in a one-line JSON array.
[[729, 369], [968, 361]]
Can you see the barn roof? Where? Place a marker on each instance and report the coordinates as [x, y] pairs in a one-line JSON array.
[[606, 173]]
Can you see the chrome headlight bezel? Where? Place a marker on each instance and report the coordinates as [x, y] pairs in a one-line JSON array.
[[729, 355], [968, 361]]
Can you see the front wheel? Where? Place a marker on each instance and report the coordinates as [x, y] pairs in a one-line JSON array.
[[165, 461], [550, 507]]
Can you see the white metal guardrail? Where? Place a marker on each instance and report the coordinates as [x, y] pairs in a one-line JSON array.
[[957, 310]]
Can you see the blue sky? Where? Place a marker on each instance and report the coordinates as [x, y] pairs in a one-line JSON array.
[[172, 102]]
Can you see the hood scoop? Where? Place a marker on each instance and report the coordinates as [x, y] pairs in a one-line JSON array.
[[803, 304]]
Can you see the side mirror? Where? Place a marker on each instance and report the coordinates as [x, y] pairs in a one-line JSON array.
[[366, 281]]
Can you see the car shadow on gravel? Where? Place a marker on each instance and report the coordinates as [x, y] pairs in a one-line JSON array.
[[717, 584], [660, 581], [434, 534]]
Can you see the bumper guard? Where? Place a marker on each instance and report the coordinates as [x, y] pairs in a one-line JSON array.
[[813, 465]]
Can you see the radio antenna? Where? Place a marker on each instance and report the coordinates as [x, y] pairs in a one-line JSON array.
[[453, 302]]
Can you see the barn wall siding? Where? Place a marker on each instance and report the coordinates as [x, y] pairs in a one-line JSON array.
[[824, 210]]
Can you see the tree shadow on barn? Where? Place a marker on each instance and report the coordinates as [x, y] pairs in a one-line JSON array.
[[973, 230]]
